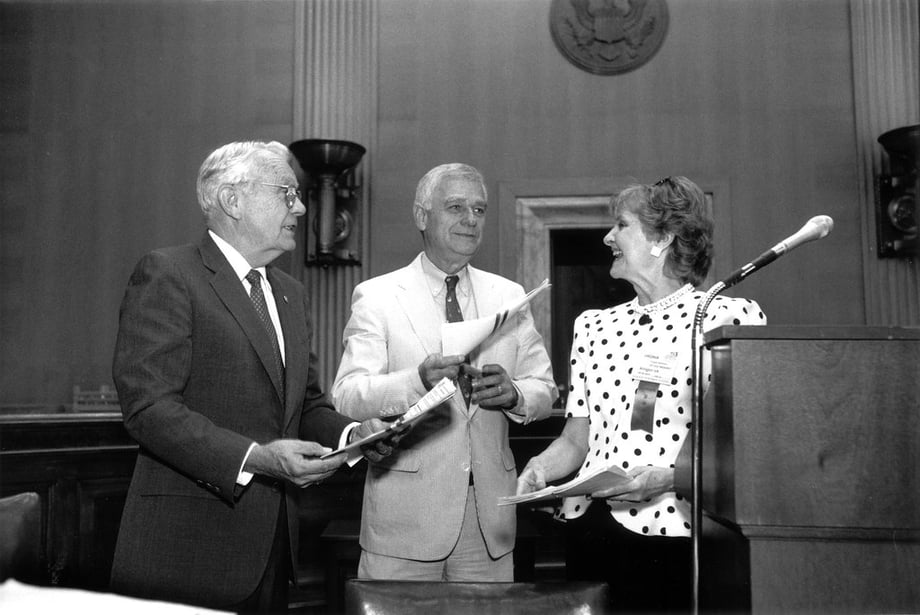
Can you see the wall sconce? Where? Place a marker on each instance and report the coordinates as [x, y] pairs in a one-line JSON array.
[[896, 194], [332, 200]]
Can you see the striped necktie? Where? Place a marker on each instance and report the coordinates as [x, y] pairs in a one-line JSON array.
[[454, 314], [258, 300]]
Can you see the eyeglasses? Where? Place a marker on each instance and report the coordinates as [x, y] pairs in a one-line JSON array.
[[663, 181], [291, 193]]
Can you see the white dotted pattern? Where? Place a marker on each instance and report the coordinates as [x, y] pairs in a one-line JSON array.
[[606, 348]]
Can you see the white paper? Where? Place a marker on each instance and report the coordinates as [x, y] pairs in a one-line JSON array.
[[463, 337], [599, 480], [440, 393]]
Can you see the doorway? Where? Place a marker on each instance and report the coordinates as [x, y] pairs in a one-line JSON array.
[[579, 270]]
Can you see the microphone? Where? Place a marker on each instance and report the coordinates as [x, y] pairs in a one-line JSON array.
[[816, 228]]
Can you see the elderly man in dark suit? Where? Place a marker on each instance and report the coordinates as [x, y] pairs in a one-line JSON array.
[[218, 386]]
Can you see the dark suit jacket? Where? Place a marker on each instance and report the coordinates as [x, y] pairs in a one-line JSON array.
[[193, 371]]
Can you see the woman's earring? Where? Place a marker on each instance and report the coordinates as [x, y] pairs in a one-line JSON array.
[[655, 251]]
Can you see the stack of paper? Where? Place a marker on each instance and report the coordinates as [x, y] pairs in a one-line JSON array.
[[440, 393], [600, 479]]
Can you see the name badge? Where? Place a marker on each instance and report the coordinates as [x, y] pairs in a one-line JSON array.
[[655, 367]]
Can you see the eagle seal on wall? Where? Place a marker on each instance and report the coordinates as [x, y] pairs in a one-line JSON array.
[[607, 37]]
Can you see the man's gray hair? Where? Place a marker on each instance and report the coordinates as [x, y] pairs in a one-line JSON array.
[[235, 163], [433, 178]]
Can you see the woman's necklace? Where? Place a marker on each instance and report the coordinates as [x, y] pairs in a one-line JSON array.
[[645, 311]]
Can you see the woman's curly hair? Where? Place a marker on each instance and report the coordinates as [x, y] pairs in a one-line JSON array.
[[677, 206]]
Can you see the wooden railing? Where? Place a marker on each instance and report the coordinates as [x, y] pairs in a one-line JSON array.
[[80, 463]]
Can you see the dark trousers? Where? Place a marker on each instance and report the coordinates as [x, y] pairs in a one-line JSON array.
[[650, 574], [271, 595]]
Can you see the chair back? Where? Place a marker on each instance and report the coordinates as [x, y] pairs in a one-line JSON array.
[[422, 597], [20, 537]]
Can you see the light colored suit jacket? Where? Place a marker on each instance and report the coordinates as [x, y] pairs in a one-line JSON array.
[[193, 367], [414, 499]]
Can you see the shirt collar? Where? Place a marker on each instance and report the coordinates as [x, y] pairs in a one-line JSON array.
[[434, 277], [241, 266]]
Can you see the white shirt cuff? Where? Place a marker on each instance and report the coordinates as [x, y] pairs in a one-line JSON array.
[[243, 478], [353, 456], [517, 413]]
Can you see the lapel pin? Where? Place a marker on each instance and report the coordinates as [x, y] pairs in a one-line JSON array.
[[285, 298]]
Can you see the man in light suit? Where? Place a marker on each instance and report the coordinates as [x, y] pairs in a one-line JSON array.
[[430, 510], [219, 388]]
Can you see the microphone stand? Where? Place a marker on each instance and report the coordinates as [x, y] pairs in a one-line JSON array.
[[696, 441], [816, 228]]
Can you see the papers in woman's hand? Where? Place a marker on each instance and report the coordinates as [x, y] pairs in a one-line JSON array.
[[591, 482], [462, 337], [440, 393]]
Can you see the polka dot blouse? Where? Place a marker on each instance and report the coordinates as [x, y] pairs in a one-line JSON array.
[[611, 351]]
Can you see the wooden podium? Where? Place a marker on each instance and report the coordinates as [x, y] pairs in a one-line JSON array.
[[811, 471]]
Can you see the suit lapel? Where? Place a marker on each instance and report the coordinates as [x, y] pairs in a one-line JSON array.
[[296, 354], [231, 292], [415, 299]]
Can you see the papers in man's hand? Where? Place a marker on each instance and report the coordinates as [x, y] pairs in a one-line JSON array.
[[462, 337], [598, 480], [440, 393]]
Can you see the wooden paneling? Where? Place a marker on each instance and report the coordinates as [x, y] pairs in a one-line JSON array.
[[109, 108], [81, 466], [886, 76], [811, 414], [810, 452], [112, 108], [756, 92]]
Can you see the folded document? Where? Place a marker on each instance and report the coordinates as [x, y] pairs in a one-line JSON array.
[[462, 337], [440, 393], [598, 480]]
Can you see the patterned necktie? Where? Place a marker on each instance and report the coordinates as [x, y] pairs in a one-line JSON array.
[[258, 300], [454, 314]]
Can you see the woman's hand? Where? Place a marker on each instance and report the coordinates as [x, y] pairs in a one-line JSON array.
[[648, 482], [532, 478]]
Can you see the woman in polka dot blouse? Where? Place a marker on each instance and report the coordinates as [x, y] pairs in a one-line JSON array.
[[629, 403]]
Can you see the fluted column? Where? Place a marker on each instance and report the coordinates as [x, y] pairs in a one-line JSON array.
[[335, 97], [886, 65]]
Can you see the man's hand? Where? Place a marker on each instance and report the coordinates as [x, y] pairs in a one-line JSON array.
[[435, 367], [295, 461], [377, 450], [492, 387]]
